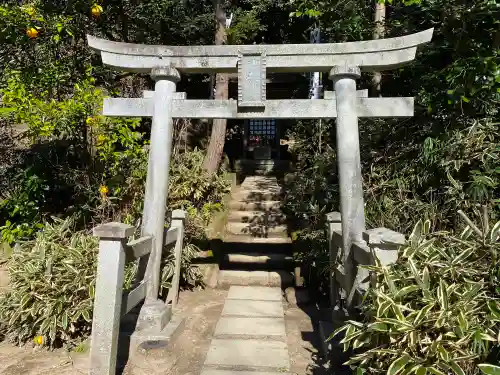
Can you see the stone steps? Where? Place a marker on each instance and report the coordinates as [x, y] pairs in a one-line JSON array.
[[258, 217], [247, 195], [236, 205], [257, 261], [227, 278], [272, 259], [250, 337], [256, 230], [256, 248], [246, 239], [260, 181]]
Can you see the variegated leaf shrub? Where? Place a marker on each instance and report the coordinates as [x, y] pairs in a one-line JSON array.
[[52, 285], [436, 311]]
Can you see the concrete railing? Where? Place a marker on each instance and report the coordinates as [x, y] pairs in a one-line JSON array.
[[349, 281], [110, 303]]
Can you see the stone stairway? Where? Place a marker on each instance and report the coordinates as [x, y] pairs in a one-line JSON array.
[[256, 246], [250, 336]]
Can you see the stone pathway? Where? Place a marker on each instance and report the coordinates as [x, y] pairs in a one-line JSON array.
[[187, 354], [250, 336], [256, 250]]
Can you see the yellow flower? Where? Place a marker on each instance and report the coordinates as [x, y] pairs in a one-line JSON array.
[[32, 32], [38, 340], [104, 190], [30, 11], [96, 10], [89, 120]]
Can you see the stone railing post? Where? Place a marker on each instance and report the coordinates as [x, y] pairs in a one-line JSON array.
[[384, 244], [153, 220], [108, 296], [349, 165], [334, 223], [178, 218]]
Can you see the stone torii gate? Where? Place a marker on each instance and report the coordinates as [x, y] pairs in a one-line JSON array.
[[344, 63]]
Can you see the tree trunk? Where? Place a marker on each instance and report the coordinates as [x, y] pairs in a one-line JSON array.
[[218, 135], [378, 33]]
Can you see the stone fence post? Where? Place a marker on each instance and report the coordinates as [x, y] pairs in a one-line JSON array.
[[178, 218], [380, 244], [384, 245], [108, 296], [349, 280], [333, 224]]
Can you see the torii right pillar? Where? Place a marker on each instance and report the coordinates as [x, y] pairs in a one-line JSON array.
[[348, 158]]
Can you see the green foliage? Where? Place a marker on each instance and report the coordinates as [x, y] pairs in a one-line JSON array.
[[52, 283], [442, 160], [52, 286], [436, 310], [433, 179], [191, 276], [22, 206], [71, 152], [245, 28], [190, 185]]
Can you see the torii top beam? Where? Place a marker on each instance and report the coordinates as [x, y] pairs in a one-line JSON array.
[[381, 54]]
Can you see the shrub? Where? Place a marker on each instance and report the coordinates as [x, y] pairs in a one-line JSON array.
[[191, 275], [436, 311], [52, 286], [70, 153], [191, 185], [53, 281]]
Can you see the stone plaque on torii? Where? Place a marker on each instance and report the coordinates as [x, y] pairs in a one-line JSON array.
[[344, 63]]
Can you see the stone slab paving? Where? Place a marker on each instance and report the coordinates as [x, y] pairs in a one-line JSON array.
[[248, 353], [250, 334], [228, 278], [229, 372], [250, 326], [264, 309], [254, 293]]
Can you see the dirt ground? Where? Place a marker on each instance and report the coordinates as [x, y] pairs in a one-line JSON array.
[[186, 354]]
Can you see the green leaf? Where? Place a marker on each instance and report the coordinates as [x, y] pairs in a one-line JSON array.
[[416, 234], [435, 371], [379, 327], [421, 315], [338, 330], [488, 369], [406, 290], [24, 300], [383, 308], [398, 365], [64, 320], [389, 280], [458, 370], [486, 337], [5, 111], [494, 308], [86, 316], [426, 278], [445, 355], [442, 294], [427, 226]]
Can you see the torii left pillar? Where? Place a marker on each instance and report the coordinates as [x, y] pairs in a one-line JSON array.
[[349, 163], [155, 200]]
